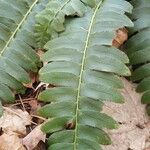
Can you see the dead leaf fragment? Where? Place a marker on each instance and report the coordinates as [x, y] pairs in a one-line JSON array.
[[121, 37], [33, 138], [33, 77], [10, 141], [40, 52], [13, 124], [34, 106], [15, 120]]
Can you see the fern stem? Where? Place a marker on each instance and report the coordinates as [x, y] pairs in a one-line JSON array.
[[18, 27], [81, 71]]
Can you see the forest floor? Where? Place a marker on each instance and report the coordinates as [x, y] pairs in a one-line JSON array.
[[20, 124]]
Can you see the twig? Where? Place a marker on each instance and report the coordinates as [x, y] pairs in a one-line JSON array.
[[39, 117], [22, 103]]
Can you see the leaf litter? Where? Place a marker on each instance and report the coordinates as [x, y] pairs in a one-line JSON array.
[[133, 132], [13, 125], [33, 138], [19, 129]]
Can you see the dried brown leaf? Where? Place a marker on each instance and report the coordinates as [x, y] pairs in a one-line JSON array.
[[33, 77], [40, 52], [10, 141], [13, 124], [15, 120], [121, 37], [33, 138]]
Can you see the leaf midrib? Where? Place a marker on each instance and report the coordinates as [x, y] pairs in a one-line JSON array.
[[81, 72], [18, 27]]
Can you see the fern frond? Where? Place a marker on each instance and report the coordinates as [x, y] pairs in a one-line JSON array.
[[85, 68], [17, 43], [138, 47], [51, 20]]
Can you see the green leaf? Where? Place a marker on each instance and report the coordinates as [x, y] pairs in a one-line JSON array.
[[89, 2], [144, 85], [86, 132], [85, 69], [1, 109], [6, 94], [17, 45], [146, 97], [138, 47], [51, 20], [56, 124], [148, 110], [141, 72], [62, 146]]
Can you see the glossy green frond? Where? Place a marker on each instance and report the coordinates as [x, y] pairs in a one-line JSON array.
[[17, 43], [85, 69], [138, 47], [51, 20]]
